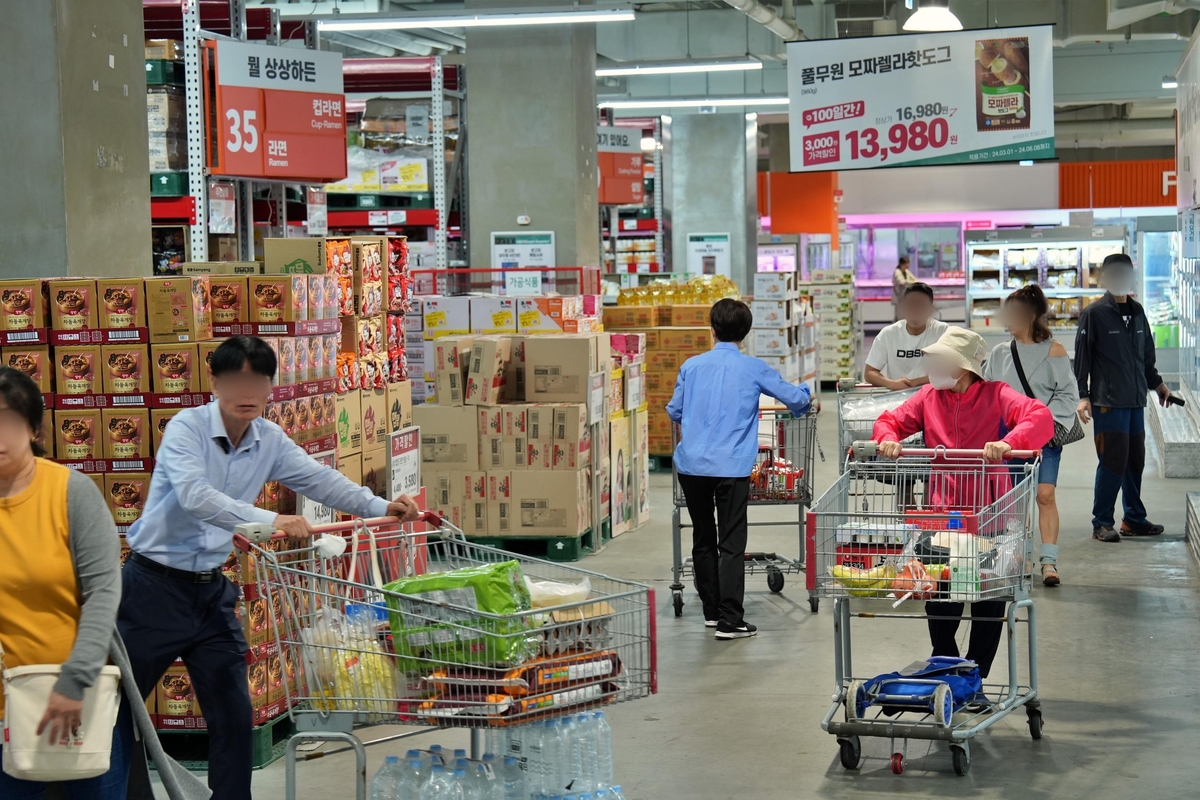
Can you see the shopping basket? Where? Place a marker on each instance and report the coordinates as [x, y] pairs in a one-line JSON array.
[[969, 540], [782, 476], [859, 406], [368, 648]]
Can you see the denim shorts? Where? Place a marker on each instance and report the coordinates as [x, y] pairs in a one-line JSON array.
[[1048, 471]]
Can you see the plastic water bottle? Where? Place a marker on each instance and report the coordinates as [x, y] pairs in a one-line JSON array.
[[440, 786], [602, 794], [589, 771], [412, 779], [513, 778], [553, 757], [386, 784], [459, 753], [518, 739], [490, 778], [437, 755], [495, 740], [466, 791], [414, 755], [473, 779], [615, 793], [604, 750]]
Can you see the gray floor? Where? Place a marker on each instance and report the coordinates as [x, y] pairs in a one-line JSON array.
[[1118, 646]]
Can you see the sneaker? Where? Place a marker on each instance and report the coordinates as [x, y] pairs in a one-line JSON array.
[[727, 631], [1146, 528], [710, 623], [1105, 534]]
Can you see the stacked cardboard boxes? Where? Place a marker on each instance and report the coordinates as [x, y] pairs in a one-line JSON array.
[[775, 337], [831, 298]]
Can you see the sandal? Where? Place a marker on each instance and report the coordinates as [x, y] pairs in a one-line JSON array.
[[1050, 575]]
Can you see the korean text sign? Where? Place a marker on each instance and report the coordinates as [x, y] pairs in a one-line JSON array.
[[930, 98]]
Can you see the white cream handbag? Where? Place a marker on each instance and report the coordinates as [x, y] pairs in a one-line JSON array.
[[86, 754]]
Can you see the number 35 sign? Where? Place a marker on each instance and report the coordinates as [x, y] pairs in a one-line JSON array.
[[274, 112]]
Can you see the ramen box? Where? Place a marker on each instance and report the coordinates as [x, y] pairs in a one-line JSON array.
[[122, 302], [34, 361], [77, 434], [175, 368], [178, 708], [126, 433], [126, 494], [178, 309], [78, 370], [23, 304], [73, 304], [125, 367], [278, 298], [159, 417]]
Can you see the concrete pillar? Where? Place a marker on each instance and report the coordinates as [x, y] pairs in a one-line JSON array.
[[780, 156], [75, 171], [713, 183], [532, 148]]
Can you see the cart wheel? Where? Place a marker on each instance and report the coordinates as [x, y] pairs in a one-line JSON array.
[[1035, 723], [775, 581], [677, 601], [851, 752], [854, 698], [897, 763], [813, 604], [943, 705], [962, 760]]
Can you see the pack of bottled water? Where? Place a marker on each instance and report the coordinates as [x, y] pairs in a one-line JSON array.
[[565, 758]]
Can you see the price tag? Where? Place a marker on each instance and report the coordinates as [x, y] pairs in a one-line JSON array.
[[416, 121], [397, 218], [317, 513], [502, 319], [596, 406], [522, 284], [528, 318], [377, 218], [629, 224], [405, 462], [435, 319]]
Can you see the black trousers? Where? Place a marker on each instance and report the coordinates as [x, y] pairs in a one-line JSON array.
[[163, 618], [985, 634], [718, 546]]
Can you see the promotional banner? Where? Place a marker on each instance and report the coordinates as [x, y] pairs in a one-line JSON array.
[[929, 98]]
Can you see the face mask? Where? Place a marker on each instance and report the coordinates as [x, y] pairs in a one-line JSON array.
[[941, 380]]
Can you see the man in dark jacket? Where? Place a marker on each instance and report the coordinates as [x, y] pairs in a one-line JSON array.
[[1114, 365]]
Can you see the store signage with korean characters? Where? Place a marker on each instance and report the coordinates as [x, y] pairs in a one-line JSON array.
[[276, 112], [930, 98], [405, 448], [619, 158], [708, 254], [522, 249]]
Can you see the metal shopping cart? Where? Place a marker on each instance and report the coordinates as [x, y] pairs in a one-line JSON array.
[[970, 541], [363, 651], [859, 405], [782, 476]]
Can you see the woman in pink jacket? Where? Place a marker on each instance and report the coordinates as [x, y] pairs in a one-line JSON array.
[[958, 409]]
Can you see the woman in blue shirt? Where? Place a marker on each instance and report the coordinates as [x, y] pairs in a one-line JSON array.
[[716, 404]]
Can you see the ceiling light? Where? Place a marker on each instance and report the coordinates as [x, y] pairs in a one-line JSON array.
[[694, 102], [933, 15], [460, 20], [1025, 163], [1169, 82], [677, 68]]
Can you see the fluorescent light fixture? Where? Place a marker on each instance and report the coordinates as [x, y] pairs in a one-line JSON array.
[[1169, 82], [460, 20], [678, 68], [695, 102], [1025, 163], [933, 16]]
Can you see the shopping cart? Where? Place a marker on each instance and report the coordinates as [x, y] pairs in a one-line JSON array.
[[970, 540], [363, 652], [859, 405], [782, 476]]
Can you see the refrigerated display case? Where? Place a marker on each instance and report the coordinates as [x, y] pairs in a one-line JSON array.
[[1158, 248]]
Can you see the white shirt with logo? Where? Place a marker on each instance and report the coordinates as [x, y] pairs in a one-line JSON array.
[[897, 353]]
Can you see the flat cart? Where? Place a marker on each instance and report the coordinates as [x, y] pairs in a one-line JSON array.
[[859, 405], [782, 476], [356, 653], [970, 541]]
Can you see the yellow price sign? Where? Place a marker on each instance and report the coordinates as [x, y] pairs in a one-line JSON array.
[[503, 319], [530, 318], [435, 319]]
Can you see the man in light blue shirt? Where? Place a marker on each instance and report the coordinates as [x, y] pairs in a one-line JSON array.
[[175, 601], [716, 403]]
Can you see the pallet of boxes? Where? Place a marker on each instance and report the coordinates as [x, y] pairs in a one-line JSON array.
[[830, 295], [506, 436], [783, 336]]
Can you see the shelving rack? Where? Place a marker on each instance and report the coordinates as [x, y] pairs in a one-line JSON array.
[[614, 228]]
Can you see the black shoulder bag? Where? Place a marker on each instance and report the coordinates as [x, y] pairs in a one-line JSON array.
[[1062, 434]]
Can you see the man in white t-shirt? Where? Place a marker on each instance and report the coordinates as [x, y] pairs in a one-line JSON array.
[[895, 358]]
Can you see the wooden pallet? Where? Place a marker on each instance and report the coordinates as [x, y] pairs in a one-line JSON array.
[[660, 463], [190, 747], [551, 548]]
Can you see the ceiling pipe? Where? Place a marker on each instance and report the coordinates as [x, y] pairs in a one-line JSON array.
[[767, 17]]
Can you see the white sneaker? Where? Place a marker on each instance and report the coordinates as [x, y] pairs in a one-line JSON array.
[[710, 623]]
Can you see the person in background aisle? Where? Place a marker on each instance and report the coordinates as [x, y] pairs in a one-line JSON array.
[[176, 603], [902, 278], [1035, 359], [1114, 368], [895, 360], [716, 404], [961, 410]]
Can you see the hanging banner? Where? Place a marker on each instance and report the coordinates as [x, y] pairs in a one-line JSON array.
[[929, 98], [318, 211]]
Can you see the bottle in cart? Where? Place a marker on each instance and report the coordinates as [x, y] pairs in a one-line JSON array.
[[413, 778], [615, 793], [440, 786], [466, 791], [604, 752], [437, 755], [513, 779], [386, 784]]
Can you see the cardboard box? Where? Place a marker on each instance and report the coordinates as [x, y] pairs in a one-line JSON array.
[[24, 304], [204, 356], [539, 422], [485, 378], [126, 433], [514, 374], [375, 463], [572, 437], [400, 405], [73, 304], [493, 314], [448, 495], [550, 503], [285, 256], [630, 316], [175, 368], [277, 298], [176, 700], [491, 420], [374, 418], [77, 370], [772, 342], [499, 502], [491, 452], [663, 361], [446, 316], [687, 315], [351, 465], [516, 419], [557, 368], [772, 313], [541, 454], [475, 506], [125, 368], [775, 286], [159, 417], [178, 309], [546, 314], [164, 50], [451, 362], [660, 381], [122, 302], [348, 423], [685, 338], [126, 493], [515, 453], [659, 423], [449, 436], [228, 294], [191, 268], [34, 361]]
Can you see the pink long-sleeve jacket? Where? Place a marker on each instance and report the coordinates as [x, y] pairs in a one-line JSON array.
[[989, 411]]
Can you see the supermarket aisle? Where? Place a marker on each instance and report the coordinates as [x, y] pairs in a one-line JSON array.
[[741, 719]]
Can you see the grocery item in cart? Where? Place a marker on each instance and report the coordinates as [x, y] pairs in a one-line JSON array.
[[537, 676], [345, 665]]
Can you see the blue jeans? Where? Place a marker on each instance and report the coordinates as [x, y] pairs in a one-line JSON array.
[[109, 786], [1047, 470], [1121, 448]]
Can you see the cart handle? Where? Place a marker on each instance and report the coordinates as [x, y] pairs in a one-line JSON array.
[[869, 449], [256, 533]]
